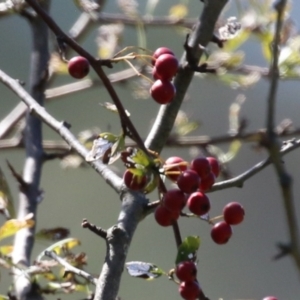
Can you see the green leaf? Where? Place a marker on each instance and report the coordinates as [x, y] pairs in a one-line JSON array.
[[140, 158], [144, 270], [187, 250]]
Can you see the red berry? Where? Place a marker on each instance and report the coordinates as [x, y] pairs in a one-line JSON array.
[[189, 290], [162, 92], [201, 166], [233, 213], [214, 164], [174, 200], [174, 160], [166, 66], [186, 271], [135, 182], [207, 182], [188, 181], [270, 298], [159, 51], [78, 67], [221, 232], [165, 217], [198, 203]]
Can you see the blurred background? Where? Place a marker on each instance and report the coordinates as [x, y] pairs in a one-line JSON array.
[[241, 269]]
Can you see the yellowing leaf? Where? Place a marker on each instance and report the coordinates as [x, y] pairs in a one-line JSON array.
[[58, 247], [57, 65], [7, 249], [12, 226], [178, 11]]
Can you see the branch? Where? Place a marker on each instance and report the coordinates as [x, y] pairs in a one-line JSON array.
[[200, 38], [60, 127], [285, 180], [28, 197], [70, 268], [238, 181]]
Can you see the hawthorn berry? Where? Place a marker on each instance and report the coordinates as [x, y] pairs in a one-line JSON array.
[[174, 200], [166, 66], [198, 203], [189, 290], [233, 213], [188, 181], [78, 67], [207, 182], [270, 298], [201, 166], [162, 91], [159, 51], [214, 164], [221, 232], [186, 271], [179, 167], [164, 217], [134, 182]]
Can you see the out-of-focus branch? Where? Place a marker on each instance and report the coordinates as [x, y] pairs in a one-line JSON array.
[[199, 39], [29, 194], [284, 178]]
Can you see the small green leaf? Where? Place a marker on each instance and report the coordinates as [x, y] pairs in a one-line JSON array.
[[187, 250], [140, 158], [143, 270]]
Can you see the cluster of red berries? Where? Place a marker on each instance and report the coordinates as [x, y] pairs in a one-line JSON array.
[[165, 66], [192, 182], [189, 287], [78, 67]]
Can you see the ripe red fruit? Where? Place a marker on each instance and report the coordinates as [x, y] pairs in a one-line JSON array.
[[207, 182], [189, 290], [198, 203], [165, 217], [186, 271], [134, 182], [174, 160], [78, 67], [270, 298], [233, 213], [221, 232], [188, 181], [214, 164], [166, 66], [174, 200], [159, 51], [162, 92], [201, 166]]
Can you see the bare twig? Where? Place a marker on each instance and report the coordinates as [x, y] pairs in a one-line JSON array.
[[69, 268], [239, 180], [112, 179]]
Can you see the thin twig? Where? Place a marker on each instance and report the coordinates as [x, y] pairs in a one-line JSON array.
[[239, 180], [69, 268]]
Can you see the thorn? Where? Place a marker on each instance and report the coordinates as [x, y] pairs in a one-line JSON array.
[[284, 250], [18, 177]]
